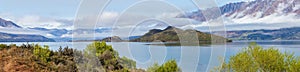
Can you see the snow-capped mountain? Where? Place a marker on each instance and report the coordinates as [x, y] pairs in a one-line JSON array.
[[264, 8], [8, 24], [258, 9]]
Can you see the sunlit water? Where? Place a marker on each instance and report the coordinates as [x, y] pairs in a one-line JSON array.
[[145, 55]]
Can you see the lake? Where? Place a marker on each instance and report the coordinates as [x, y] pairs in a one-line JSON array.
[[189, 58]]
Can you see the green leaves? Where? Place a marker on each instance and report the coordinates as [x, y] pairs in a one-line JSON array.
[[256, 59], [169, 66], [153, 68], [43, 53], [127, 63], [99, 47], [108, 58], [2, 46]]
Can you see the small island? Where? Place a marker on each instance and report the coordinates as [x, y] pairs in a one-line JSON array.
[[173, 34]]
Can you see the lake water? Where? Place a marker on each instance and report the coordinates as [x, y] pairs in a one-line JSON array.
[[189, 58]]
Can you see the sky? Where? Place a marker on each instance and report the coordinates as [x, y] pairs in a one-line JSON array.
[[40, 13], [67, 8]]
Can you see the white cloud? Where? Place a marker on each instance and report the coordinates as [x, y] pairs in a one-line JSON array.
[[29, 21], [44, 22], [87, 35], [21, 31]]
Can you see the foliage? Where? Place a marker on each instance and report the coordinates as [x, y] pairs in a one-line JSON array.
[[27, 58], [169, 66], [33, 57], [153, 68], [64, 59], [2, 46], [127, 63], [107, 58], [256, 59], [43, 53], [12, 45], [98, 48]]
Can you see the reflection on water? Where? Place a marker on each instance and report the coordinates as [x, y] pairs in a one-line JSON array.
[[146, 55]]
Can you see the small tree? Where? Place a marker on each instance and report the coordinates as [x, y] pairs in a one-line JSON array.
[[256, 59], [43, 53], [99, 47]]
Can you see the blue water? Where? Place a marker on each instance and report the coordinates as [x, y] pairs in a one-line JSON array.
[[189, 58]]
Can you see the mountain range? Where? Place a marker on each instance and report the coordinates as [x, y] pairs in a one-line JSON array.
[[8, 24], [8, 37], [5, 37], [276, 34], [255, 9]]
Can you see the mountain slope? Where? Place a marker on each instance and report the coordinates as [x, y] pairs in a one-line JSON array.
[[10, 37], [276, 34], [8, 24], [171, 34], [5, 37], [112, 39]]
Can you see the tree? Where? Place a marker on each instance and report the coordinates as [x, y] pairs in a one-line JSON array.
[[256, 59], [100, 54], [98, 48], [43, 53]]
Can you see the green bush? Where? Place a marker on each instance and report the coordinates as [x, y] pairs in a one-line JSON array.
[[98, 48], [107, 57], [43, 53], [2, 46], [256, 59], [127, 63], [169, 66], [12, 45], [153, 68]]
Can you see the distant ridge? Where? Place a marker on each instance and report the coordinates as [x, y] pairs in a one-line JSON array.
[[112, 39], [6, 37], [292, 33], [8, 24]]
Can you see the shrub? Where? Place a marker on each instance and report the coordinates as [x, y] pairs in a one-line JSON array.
[[153, 68], [103, 54], [256, 59], [99, 47], [169, 66], [43, 53], [127, 63], [2, 46]]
